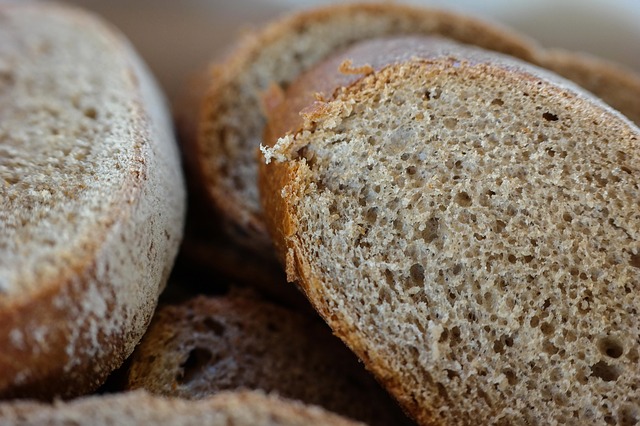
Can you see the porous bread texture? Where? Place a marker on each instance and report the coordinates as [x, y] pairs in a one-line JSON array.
[[208, 345], [92, 200], [242, 408], [221, 150], [468, 225], [224, 123]]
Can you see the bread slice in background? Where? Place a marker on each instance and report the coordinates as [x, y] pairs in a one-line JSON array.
[[468, 224], [208, 345], [242, 408], [92, 200], [221, 121]]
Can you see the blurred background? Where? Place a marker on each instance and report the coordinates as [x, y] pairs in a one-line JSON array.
[[177, 37]]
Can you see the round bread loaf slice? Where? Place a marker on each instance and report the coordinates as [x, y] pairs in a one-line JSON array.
[[221, 122], [468, 224], [139, 408], [92, 200], [209, 345]]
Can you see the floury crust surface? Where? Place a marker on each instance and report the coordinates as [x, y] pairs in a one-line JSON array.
[[468, 224], [91, 200]]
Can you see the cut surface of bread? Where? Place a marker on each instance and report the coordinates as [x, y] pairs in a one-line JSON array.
[[208, 345], [224, 123], [92, 200], [140, 408], [468, 224]]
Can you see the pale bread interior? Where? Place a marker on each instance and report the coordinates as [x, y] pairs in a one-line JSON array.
[[474, 226]]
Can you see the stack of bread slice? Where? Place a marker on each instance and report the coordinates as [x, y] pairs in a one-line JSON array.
[[460, 212], [457, 203]]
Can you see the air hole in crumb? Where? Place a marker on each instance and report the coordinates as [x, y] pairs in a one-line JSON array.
[[497, 102], [455, 335], [610, 347], [210, 324], [604, 371], [452, 374], [194, 365], [546, 328], [511, 376], [628, 415], [450, 123], [463, 199], [372, 215], [91, 113], [416, 273], [6, 78], [430, 232], [567, 217], [456, 269], [511, 258], [635, 260], [442, 391], [411, 170], [550, 117]]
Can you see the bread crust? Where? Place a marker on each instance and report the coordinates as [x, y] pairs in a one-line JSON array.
[[64, 338], [140, 408], [282, 189]]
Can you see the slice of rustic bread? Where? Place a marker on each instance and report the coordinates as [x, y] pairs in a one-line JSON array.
[[468, 224], [241, 408], [92, 200], [208, 345], [222, 122]]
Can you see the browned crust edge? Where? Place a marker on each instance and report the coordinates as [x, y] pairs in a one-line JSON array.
[[68, 358]]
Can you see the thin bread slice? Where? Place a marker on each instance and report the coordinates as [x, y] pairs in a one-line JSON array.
[[92, 200], [221, 122], [209, 345], [140, 408], [468, 225]]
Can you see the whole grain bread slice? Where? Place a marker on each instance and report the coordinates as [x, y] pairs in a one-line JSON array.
[[221, 121], [139, 408], [212, 344], [468, 224], [92, 199]]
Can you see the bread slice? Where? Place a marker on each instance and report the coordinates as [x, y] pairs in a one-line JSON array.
[[468, 225], [209, 345], [241, 408], [92, 200], [222, 122]]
